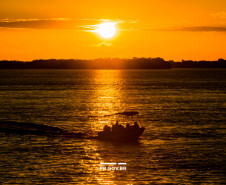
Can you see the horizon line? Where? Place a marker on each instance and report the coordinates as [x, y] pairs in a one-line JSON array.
[[126, 58]]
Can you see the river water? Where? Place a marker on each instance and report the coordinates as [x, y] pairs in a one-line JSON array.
[[183, 111]]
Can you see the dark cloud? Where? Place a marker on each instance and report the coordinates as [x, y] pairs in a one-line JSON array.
[[37, 23], [190, 29], [89, 25], [200, 29], [58, 23]]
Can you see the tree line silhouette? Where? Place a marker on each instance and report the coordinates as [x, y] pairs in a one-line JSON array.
[[220, 63], [110, 63]]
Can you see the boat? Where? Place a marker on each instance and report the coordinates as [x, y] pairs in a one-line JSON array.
[[131, 132]]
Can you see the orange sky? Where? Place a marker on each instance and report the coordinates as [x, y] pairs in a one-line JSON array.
[[171, 29]]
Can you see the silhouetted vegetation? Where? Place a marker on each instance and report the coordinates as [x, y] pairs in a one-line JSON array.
[[106, 63], [220, 63], [110, 63]]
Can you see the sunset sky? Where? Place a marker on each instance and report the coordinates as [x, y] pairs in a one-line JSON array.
[[171, 29]]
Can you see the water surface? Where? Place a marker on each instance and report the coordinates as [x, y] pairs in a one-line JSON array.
[[183, 111]]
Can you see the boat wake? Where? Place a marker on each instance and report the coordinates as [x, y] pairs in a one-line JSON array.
[[37, 129]]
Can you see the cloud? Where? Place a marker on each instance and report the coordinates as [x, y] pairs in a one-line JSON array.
[[199, 29], [103, 44], [219, 15], [92, 27], [58, 23], [189, 29], [89, 25]]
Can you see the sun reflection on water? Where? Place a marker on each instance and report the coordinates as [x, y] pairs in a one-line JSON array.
[[108, 97], [107, 100]]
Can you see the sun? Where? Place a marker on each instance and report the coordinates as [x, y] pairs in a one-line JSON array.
[[106, 30]]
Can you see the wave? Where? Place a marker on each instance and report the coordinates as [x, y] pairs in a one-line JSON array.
[[37, 129]]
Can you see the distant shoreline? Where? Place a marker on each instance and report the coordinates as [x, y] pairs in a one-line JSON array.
[[110, 63]]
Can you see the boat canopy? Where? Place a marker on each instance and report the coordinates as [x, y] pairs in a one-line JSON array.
[[125, 113], [129, 113]]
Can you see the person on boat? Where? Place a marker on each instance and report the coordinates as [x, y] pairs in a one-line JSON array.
[[136, 125], [117, 127], [128, 127], [116, 123], [107, 128]]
